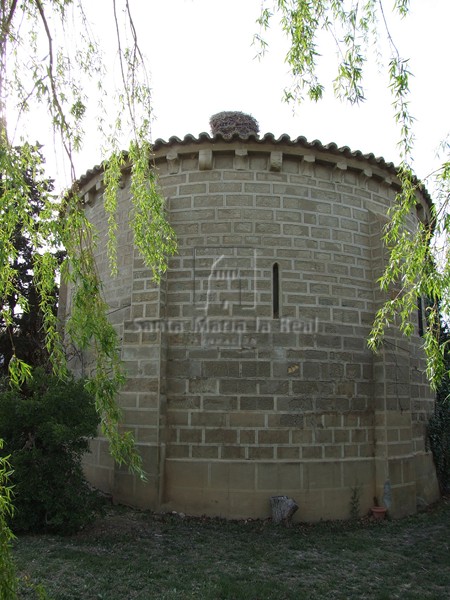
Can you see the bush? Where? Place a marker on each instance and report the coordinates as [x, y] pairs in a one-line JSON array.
[[438, 431], [8, 579], [45, 427], [439, 436]]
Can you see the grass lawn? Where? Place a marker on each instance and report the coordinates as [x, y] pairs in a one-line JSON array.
[[139, 555]]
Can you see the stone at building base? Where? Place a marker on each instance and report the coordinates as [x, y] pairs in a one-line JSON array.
[[283, 509]]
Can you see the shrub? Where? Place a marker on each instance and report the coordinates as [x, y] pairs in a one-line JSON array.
[[8, 580], [45, 427], [439, 436], [438, 431]]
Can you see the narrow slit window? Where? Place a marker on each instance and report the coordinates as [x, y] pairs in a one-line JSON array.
[[420, 316], [275, 291]]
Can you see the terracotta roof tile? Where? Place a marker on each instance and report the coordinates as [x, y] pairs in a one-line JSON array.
[[284, 139], [268, 138]]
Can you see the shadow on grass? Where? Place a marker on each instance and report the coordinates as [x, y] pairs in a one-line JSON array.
[[134, 555]]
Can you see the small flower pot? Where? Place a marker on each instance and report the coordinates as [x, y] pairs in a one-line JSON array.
[[379, 512]]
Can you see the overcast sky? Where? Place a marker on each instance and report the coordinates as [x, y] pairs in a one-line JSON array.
[[201, 61]]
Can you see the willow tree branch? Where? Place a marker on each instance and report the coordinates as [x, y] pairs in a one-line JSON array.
[[6, 23], [5, 30], [136, 60], [63, 125], [122, 68], [388, 32]]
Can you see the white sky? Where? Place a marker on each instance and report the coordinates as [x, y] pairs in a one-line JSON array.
[[201, 61]]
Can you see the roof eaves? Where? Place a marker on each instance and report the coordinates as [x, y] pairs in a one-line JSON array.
[[269, 138]]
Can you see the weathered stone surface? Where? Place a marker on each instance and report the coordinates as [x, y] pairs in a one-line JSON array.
[[232, 399], [283, 509]]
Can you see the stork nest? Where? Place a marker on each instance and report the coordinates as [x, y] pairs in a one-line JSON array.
[[229, 122]]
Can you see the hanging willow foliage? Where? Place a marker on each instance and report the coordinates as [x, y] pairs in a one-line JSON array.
[[47, 54], [418, 264], [31, 30]]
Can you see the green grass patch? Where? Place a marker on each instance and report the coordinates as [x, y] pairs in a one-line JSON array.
[[129, 555]]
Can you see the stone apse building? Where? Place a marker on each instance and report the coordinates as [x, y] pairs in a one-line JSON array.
[[248, 368]]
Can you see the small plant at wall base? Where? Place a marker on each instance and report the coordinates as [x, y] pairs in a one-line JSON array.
[[355, 502], [45, 427]]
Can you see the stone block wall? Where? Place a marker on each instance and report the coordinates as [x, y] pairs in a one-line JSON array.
[[249, 372]]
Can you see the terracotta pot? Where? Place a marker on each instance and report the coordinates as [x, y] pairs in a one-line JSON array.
[[379, 512]]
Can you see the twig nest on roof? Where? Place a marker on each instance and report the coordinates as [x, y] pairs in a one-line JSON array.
[[229, 122]]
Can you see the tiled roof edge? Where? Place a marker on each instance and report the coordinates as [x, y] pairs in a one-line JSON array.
[[269, 138], [284, 139]]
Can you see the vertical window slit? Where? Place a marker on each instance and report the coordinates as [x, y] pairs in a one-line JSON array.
[[275, 291], [420, 316]]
